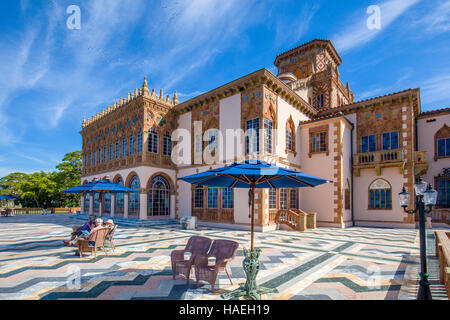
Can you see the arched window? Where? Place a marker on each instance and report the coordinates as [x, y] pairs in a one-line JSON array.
[[120, 198], [100, 154], [107, 203], [380, 195], [198, 197], [167, 144], [111, 151], [139, 142], [131, 144], [117, 149], [134, 198], [105, 153], [124, 147], [153, 140], [87, 200], [159, 197]]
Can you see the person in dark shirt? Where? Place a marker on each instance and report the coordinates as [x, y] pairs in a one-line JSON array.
[[44, 208]]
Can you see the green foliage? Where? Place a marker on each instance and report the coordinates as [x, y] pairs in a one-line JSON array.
[[35, 188]]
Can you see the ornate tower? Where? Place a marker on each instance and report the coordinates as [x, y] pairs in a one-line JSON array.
[[312, 71]]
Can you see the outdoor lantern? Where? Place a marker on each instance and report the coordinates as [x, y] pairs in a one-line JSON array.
[[430, 196], [420, 186], [404, 198]]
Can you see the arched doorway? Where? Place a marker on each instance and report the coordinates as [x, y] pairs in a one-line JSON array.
[[158, 197], [133, 198]]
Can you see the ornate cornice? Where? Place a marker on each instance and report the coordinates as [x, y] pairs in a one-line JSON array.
[[258, 78]]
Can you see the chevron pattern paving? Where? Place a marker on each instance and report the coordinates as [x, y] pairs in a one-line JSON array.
[[357, 263]]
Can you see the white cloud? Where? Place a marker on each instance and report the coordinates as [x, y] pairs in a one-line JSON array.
[[358, 34], [435, 89], [438, 20]]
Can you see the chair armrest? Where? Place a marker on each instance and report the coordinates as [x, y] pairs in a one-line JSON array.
[[177, 255], [201, 260]]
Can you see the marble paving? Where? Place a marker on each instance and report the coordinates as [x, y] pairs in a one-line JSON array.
[[356, 263]]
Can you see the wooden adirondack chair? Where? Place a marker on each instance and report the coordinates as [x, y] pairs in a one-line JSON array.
[[109, 241], [224, 251], [196, 245], [95, 241]]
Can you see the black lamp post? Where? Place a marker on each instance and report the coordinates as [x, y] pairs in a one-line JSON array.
[[425, 196]]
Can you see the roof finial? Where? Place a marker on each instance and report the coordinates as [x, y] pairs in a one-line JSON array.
[[145, 87], [161, 94], [175, 98]]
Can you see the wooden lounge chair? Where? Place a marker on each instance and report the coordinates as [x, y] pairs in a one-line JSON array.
[[95, 241], [224, 251], [109, 241], [196, 245]]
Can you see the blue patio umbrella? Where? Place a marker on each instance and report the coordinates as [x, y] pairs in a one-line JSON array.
[[253, 174], [99, 186], [7, 197]]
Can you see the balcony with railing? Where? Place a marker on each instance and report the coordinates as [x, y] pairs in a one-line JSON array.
[[378, 159], [389, 158]]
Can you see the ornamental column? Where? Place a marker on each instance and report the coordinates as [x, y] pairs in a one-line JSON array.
[[143, 206]]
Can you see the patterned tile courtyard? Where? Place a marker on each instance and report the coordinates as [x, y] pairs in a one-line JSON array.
[[324, 263]]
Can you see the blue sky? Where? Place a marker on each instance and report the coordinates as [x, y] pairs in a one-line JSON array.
[[51, 77]]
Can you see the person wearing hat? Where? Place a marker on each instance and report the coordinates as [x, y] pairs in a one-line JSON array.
[[86, 234]]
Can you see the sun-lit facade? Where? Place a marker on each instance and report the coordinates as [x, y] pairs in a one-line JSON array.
[[304, 118]]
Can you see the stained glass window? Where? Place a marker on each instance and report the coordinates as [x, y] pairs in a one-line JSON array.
[[227, 198], [380, 195], [212, 198], [134, 197], [268, 131], [153, 140], [252, 136], [159, 197]]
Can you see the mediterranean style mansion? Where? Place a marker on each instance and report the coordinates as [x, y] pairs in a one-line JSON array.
[[304, 119]]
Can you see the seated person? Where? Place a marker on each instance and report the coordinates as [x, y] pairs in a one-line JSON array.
[[87, 226], [85, 234]]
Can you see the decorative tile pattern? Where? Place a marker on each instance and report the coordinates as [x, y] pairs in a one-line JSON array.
[[318, 264]]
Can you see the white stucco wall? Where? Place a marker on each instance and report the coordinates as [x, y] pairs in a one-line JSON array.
[[361, 197], [320, 198], [285, 110], [230, 118]]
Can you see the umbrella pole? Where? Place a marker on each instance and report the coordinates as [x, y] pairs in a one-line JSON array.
[[101, 202], [252, 188]]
